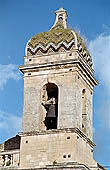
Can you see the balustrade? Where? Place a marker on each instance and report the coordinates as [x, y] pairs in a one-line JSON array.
[[9, 159]]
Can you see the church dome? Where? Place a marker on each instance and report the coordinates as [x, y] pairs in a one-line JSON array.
[[58, 39]]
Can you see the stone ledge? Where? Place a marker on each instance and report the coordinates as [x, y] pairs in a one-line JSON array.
[[10, 152], [59, 166], [65, 166], [56, 131]]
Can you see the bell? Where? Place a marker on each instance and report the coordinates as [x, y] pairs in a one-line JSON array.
[[51, 111]]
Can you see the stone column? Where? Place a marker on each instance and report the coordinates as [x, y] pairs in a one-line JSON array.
[[1, 161], [6, 160], [11, 160]]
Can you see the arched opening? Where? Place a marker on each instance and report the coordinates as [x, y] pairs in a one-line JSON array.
[[50, 103], [84, 110], [60, 17]]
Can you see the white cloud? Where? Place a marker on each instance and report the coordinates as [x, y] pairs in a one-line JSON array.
[[8, 72], [9, 124], [100, 51]]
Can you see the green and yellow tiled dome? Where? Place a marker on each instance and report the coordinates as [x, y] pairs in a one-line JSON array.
[[58, 39]]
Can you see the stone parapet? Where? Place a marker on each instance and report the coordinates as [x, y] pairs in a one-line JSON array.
[[9, 158]]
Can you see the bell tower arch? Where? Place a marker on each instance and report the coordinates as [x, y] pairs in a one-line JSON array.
[[49, 101]]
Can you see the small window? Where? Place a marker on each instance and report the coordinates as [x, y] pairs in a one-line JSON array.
[[64, 156], [60, 17], [82, 126], [30, 59], [68, 137], [29, 74], [26, 141], [70, 54], [69, 156], [83, 91]]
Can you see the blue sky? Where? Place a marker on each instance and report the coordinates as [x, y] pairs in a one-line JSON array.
[[22, 19]]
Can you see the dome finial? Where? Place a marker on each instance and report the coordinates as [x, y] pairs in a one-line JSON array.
[[61, 15]]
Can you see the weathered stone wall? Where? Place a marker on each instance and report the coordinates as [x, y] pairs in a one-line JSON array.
[[31, 110], [39, 150]]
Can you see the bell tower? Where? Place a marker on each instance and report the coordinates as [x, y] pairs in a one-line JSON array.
[[58, 90]]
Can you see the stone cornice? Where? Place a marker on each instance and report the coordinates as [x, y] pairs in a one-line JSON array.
[[79, 61], [57, 131], [10, 152]]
